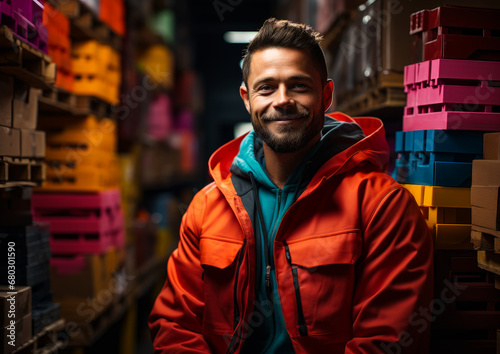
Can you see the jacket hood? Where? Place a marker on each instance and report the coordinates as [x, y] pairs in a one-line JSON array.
[[371, 149]]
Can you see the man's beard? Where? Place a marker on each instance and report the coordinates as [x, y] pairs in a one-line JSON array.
[[294, 138]]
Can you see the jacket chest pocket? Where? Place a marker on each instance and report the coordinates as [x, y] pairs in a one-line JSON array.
[[221, 260], [320, 277]]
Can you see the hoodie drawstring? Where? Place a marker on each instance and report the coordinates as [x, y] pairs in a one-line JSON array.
[[263, 230]]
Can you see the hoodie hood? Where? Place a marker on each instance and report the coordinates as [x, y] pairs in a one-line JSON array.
[[346, 149]]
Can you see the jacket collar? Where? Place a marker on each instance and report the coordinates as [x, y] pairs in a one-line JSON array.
[[371, 149]]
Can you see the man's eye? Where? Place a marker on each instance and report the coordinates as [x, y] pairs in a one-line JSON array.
[[299, 85], [264, 88]]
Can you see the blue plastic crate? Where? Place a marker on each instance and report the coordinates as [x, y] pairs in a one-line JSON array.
[[445, 141], [433, 169], [437, 157]]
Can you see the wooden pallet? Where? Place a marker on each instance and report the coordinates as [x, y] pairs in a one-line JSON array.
[[377, 99], [58, 101], [24, 62], [21, 172], [485, 239], [86, 105], [45, 342], [86, 25]]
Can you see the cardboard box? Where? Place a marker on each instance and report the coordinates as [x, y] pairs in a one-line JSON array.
[[7, 90], [485, 197], [483, 217], [10, 142], [486, 172], [485, 206], [21, 302], [25, 106], [32, 143], [491, 146], [23, 333]]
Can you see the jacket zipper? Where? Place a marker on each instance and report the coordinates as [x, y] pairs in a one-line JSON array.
[[237, 316], [266, 248], [295, 276]]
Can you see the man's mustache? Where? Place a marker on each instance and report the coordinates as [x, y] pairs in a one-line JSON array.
[[296, 114]]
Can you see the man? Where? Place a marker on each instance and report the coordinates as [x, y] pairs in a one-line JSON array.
[[302, 243]]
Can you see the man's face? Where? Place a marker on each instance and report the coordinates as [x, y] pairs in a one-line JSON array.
[[286, 98]]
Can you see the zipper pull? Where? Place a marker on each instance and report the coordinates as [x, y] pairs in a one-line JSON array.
[[268, 279]]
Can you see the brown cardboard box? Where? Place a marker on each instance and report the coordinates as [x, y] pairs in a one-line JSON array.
[[486, 172], [485, 206], [6, 97], [25, 106], [32, 143], [21, 302], [23, 333], [485, 196], [491, 146], [10, 142]]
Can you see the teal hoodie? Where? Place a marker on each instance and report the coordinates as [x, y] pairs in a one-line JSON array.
[[269, 333]]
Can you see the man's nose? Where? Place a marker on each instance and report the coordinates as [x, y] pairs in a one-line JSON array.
[[283, 98]]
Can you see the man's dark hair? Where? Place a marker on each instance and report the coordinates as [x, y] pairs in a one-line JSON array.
[[286, 34]]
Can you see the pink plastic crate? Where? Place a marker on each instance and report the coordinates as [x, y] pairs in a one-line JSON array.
[[73, 265], [160, 120], [482, 121], [5, 10], [81, 223], [469, 96], [452, 94], [428, 73]]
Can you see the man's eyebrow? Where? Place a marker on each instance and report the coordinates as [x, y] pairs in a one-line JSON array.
[[301, 78], [292, 78]]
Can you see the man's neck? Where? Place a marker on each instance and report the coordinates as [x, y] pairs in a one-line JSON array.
[[279, 166]]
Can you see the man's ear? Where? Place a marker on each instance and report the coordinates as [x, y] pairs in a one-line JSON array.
[[244, 96], [328, 94]]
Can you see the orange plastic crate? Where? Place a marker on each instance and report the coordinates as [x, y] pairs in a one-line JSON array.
[[81, 179], [89, 85]]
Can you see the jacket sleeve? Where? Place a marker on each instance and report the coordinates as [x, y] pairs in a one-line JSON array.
[[394, 279], [176, 319]]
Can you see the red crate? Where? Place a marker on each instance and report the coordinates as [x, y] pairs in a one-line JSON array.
[[430, 72], [112, 12], [476, 91], [452, 94], [455, 32], [438, 117], [81, 223]]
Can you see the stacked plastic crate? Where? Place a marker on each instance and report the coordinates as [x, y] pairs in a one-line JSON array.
[[452, 99], [112, 12], [97, 70], [24, 18], [59, 47], [81, 201]]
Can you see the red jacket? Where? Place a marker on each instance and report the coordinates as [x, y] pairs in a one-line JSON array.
[[356, 240]]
